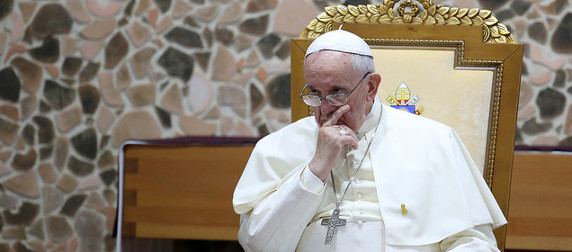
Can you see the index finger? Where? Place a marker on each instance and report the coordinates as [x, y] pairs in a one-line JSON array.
[[336, 115]]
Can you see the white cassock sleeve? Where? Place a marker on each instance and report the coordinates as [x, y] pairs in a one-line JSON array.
[[278, 221], [477, 239]]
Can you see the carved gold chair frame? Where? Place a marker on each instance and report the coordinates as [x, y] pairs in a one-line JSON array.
[[476, 41]]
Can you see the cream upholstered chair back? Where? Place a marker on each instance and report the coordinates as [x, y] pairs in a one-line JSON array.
[[458, 66]]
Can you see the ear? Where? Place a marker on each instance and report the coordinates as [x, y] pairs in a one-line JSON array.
[[374, 80]]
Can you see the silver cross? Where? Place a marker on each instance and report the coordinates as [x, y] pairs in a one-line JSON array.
[[332, 224]]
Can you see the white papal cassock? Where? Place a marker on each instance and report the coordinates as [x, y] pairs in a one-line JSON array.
[[417, 190]]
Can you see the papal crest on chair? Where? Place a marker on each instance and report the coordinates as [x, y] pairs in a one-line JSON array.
[[404, 101]]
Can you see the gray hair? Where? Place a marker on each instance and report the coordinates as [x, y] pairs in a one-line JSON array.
[[362, 64]]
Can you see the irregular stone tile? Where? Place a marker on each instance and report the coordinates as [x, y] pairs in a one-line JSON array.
[[99, 29], [109, 213], [53, 71], [46, 152], [141, 95], [28, 105], [37, 230], [24, 162], [25, 215], [106, 160], [262, 131], [140, 62], [111, 96], [206, 13], [30, 73], [568, 122], [48, 52], [44, 108], [525, 95], [68, 45], [164, 117], [68, 119], [4, 170], [110, 196], [283, 51], [58, 229], [540, 75], [104, 119], [231, 96], [3, 39], [224, 35], [5, 155], [89, 227], [89, 98], [15, 49], [288, 24], [256, 26], [123, 77], [71, 65], [27, 10], [177, 64], [88, 72], [24, 184], [278, 68], [194, 126], [504, 15], [519, 6], [58, 96], [77, 11], [115, 50], [546, 140], [203, 59], [242, 129], [554, 61], [562, 36], [52, 19], [10, 202], [560, 79], [138, 33], [72, 204], [257, 100], [550, 102], [90, 49], [165, 23], [135, 125], [200, 93], [261, 5], [262, 74], [108, 176], [67, 183], [226, 65], [10, 86], [181, 8], [208, 36], [226, 125], [163, 5], [52, 199], [89, 183], [153, 17], [61, 152], [28, 134], [142, 7], [279, 91], [94, 200], [189, 21], [184, 37], [554, 7], [14, 233], [80, 168], [9, 111], [104, 8], [85, 143], [172, 100], [45, 129], [47, 173]]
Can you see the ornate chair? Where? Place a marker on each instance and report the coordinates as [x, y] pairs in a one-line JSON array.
[[455, 65]]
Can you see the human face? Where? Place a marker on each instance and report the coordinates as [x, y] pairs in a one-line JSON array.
[[331, 72]]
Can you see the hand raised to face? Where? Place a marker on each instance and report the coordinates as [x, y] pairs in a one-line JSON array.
[[331, 141]]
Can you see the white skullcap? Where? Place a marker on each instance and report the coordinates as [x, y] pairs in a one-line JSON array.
[[339, 40]]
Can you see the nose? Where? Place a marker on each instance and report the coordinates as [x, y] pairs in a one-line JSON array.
[[326, 108]]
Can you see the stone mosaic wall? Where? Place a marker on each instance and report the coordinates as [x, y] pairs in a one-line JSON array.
[[79, 77]]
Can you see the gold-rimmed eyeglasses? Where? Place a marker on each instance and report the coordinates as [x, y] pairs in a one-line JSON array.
[[337, 99]]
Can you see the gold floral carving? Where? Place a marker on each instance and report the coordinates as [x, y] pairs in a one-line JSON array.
[[409, 12]]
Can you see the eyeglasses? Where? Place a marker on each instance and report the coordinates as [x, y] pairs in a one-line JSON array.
[[334, 99]]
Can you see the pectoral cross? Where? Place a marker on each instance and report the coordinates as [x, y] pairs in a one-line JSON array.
[[333, 223]]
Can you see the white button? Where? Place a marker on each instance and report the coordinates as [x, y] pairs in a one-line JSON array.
[[360, 221], [355, 164], [357, 180], [359, 195]]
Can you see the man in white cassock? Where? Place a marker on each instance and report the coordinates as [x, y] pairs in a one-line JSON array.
[[359, 175]]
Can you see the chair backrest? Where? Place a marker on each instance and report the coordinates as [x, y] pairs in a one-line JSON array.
[[454, 65]]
